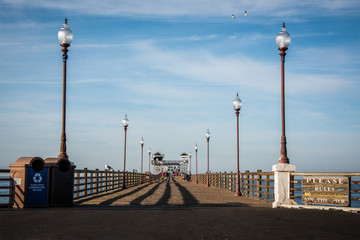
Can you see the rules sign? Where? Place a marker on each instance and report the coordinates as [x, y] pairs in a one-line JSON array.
[[326, 190]]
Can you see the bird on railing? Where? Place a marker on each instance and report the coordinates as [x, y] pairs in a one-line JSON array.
[[108, 168]]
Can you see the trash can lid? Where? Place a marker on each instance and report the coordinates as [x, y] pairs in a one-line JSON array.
[[37, 163], [26, 161]]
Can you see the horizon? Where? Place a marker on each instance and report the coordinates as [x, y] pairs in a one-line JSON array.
[[175, 70]]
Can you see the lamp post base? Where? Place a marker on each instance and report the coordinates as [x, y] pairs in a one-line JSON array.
[[284, 159]]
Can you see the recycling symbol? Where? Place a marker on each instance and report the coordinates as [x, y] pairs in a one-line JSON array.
[[37, 178]]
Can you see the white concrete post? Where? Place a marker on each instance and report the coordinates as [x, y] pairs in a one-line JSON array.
[[282, 184]]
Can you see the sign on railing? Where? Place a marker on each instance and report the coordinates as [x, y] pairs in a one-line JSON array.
[[326, 190]]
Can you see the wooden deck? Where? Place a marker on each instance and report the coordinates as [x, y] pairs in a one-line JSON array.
[[173, 193]]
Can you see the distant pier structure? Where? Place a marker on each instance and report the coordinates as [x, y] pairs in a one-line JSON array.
[[170, 166]]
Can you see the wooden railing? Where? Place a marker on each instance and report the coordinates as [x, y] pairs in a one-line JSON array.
[[257, 185], [354, 180], [92, 182], [86, 183], [6, 188]]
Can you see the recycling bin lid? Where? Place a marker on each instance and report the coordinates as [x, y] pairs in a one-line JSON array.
[[62, 163], [36, 163]]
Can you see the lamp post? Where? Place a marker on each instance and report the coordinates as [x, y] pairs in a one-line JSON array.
[[207, 134], [237, 106], [283, 40], [142, 153], [65, 37], [149, 157], [126, 124], [190, 161], [196, 149]]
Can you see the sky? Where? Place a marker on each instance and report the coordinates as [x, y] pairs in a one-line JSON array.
[[174, 67]]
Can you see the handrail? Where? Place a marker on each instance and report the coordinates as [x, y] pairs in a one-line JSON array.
[[256, 185], [86, 183], [93, 182]]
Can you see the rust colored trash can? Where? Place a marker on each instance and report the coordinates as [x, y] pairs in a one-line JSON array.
[[61, 182], [31, 182]]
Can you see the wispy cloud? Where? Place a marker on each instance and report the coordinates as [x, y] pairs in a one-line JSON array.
[[205, 66], [199, 9]]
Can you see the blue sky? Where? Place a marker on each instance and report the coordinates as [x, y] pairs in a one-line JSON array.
[[174, 67]]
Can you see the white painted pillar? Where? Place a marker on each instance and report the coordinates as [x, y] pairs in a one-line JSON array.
[[282, 184]]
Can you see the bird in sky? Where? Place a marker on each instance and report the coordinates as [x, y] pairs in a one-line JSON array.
[[245, 14]]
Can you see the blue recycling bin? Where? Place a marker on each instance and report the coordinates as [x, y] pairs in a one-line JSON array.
[[30, 179]]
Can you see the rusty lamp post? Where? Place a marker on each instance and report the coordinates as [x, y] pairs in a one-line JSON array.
[[196, 176], [237, 106], [142, 154], [149, 157], [65, 37], [207, 134], [283, 40], [126, 124]]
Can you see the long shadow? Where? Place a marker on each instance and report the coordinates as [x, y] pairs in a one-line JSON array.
[[164, 200], [105, 194], [138, 200], [188, 198], [112, 200]]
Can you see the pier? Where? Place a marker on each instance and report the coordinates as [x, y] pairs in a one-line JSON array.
[[175, 210]]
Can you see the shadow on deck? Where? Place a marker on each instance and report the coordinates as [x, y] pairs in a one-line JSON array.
[[169, 193]]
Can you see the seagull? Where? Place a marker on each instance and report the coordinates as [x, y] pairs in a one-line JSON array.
[[245, 13], [233, 16], [108, 168]]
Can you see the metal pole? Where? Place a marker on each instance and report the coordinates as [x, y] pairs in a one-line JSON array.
[[238, 193], [283, 153], [142, 153], [196, 176], [208, 174], [190, 163], [63, 134], [124, 185]]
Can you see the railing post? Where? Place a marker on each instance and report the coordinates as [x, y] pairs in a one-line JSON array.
[[101, 182], [253, 185], [96, 185], [226, 179], [247, 183], [118, 177], [258, 184], [282, 184], [267, 190], [77, 182], [291, 186], [231, 186], [106, 177], [85, 181], [112, 180], [241, 183], [349, 190]]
